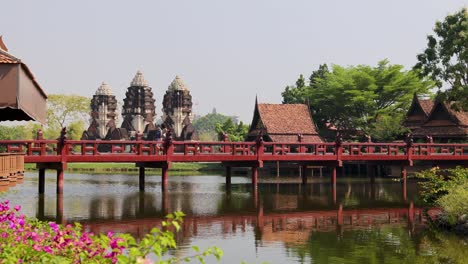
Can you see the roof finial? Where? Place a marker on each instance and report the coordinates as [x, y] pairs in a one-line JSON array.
[[139, 80], [2, 44]]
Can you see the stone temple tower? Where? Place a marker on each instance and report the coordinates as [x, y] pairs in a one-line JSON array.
[[138, 111], [103, 110], [177, 108]]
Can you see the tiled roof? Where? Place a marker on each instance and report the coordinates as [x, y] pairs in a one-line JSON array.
[[442, 131], [426, 105], [293, 138], [461, 115], [286, 118], [7, 58]]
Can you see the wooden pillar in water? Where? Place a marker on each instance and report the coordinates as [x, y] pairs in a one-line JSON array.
[[142, 178], [333, 175], [371, 172], [403, 177], [254, 177], [340, 215], [59, 209], [60, 180], [228, 177], [304, 174], [41, 180], [164, 176]]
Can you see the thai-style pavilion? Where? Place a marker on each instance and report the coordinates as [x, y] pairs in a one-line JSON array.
[[444, 124], [283, 123], [418, 113], [177, 111], [22, 98], [138, 111], [103, 111]]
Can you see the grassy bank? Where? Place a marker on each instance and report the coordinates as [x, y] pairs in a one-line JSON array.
[[130, 167]]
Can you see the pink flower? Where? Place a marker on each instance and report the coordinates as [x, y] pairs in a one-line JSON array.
[[17, 208], [48, 249]]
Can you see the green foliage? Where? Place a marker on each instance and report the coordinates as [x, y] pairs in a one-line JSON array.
[[359, 97], [32, 241], [63, 109], [445, 59], [438, 183], [455, 203], [235, 132], [387, 128], [27, 131], [208, 122]]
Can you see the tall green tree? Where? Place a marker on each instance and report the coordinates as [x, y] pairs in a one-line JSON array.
[[445, 59], [235, 132], [361, 97], [64, 109]]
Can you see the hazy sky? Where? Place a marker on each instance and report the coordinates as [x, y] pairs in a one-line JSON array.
[[226, 51]]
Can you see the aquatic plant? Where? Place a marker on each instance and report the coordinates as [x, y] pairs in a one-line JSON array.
[[24, 240]]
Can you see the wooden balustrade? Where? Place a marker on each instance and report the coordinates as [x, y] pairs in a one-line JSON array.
[[129, 151], [11, 167]]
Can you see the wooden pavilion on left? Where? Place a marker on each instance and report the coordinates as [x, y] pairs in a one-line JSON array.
[[22, 98]]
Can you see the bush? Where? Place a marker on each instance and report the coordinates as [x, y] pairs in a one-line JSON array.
[[438, 183], [455, 203]]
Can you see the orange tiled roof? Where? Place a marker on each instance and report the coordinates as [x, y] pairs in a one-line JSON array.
[[7, 58], [287, 119], [461, 116], [426, 105]]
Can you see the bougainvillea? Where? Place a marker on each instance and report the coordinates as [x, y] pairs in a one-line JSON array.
[[24, 240]]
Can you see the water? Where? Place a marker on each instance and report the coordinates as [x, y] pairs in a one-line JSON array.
[[282, 222]]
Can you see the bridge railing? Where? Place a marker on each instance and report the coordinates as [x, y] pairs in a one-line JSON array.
[[428, 149], [189, 148], [361, 149], [121, 147], [53, 148], [30, 147], [318, 149]]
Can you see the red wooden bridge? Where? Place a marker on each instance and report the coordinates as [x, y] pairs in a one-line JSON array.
[[55, 154]]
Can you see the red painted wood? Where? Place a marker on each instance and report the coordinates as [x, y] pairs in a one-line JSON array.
[[50, 151]]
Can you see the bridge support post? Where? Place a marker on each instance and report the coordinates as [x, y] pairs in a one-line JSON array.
[[142, 178], [403, 177], [59, 209], [254, 177], [60, 181], [41, 180], [164, 176], [371, 172], [333, 176], [304, 174], [228, 177]]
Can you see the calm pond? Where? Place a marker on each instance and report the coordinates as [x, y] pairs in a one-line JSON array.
[[283, 222]]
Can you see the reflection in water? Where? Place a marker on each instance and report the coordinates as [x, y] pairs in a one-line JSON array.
[[278, 222]]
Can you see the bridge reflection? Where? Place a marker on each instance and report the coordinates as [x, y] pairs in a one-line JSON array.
[[271, 211]]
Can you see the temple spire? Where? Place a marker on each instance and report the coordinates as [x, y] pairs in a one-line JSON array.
[[139, 80], [177, 84], [104, 89]]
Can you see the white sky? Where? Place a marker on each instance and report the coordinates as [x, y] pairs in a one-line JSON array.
[[227, 52]]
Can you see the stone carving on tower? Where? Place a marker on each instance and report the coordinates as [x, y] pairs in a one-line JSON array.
[[177, 111], [103, 112], [138, 111]]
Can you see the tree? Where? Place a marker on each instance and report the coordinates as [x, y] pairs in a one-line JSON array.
[[63, 109], [235, 132], [445, 59], [357, 98], [206, 125]]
